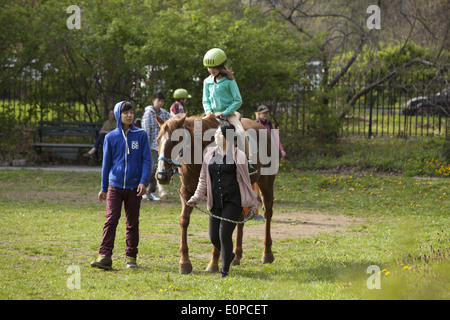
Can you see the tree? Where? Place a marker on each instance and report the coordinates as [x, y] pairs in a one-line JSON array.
[[131, 49], [339, 30]]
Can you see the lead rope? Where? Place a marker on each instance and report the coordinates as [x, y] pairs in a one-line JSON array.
[[252, 214]]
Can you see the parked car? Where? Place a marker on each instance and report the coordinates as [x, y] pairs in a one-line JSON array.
[[438, 104], [311, 79]]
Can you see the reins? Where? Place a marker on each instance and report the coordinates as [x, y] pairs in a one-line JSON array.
[[173, 166]]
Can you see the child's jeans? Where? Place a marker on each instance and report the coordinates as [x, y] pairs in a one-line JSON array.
[[117, 196], [242, 142]]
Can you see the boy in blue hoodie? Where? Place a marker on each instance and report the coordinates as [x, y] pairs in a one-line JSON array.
[[127, 164]]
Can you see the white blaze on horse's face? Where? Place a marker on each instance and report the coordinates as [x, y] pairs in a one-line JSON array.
[[161, 155]]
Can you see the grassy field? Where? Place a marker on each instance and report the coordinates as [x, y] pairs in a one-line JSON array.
[[52, 224]]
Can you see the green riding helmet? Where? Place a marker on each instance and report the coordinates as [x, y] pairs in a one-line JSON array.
[[214, 58], [181, 93]]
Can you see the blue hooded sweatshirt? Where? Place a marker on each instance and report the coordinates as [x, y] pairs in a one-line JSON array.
[[127, 160]]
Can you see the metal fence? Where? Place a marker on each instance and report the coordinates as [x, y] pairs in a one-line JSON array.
[[405, 106]]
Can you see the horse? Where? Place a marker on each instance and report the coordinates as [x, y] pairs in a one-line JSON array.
[[190, 136]]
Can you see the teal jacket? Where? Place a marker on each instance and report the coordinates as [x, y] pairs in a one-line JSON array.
[[223, 96]]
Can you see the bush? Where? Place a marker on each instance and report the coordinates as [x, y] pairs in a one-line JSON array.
[[410, 157]]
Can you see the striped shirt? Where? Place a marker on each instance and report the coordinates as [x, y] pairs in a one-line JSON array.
[[151, 126]]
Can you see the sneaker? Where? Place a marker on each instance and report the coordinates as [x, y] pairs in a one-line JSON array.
[[131, 262], [153, 197], [251, 169], [102, 262], [259, 217]]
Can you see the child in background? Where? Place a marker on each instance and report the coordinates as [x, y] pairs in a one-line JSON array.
[[180, 96]]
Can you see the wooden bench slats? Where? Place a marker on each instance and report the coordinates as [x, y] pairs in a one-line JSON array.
[[65, 129], [62, 145], [69, 134]]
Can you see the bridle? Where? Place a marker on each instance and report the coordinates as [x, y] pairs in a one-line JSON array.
[[172, 166]]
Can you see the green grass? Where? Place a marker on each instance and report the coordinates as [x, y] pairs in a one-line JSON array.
[[52, 221], [408, 157]]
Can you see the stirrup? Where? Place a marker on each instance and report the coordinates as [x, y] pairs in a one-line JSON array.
[[251, 169]]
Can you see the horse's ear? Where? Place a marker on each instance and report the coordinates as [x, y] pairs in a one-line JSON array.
[[181, 120], [159, 120], [211, 116]]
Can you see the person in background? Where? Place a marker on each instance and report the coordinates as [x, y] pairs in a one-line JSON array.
[[262, 117], [150, 125], [125, 172], [108, 126], [180, 96]]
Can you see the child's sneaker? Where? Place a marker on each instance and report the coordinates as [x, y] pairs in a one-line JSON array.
[[131, 262], [102, 262], [251, 169]]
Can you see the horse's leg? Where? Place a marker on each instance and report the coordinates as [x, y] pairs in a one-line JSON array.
[[265, 184], [185, 263], [213, 265], [238, 247], [162, 192]]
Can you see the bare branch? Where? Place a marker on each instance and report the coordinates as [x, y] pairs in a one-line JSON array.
[[391, 74], [349, 63]]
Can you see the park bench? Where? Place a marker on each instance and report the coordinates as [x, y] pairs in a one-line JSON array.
[[61, 134]]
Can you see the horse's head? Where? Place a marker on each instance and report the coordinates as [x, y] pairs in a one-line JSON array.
[[168, 161]]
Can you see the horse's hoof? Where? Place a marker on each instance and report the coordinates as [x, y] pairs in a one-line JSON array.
[[267, 258], [212, 268], [185, 268], [236, 262]]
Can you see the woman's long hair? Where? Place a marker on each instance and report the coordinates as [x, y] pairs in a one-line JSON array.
[[224, 128], [226, 72]]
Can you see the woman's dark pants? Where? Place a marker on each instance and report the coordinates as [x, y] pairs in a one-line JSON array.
[[221, 232]]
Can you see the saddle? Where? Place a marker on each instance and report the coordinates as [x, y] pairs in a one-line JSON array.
[[223, 120]]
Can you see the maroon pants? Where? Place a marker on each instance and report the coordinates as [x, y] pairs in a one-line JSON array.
[[117, 196]]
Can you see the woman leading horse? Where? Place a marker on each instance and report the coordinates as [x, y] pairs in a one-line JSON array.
[[186, 138]]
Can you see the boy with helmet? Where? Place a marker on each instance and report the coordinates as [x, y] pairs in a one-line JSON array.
[[221, 95], [180, 96]]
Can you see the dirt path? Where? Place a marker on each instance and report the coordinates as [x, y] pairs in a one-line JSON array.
[[301, 224]]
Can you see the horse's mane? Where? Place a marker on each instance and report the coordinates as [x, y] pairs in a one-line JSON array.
[[207, 122], [175, 123], [210, 122]]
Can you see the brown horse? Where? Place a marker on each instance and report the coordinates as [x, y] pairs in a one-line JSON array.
[[186, 138]]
